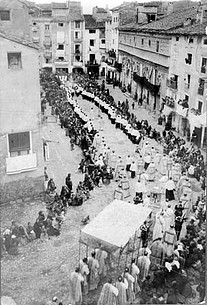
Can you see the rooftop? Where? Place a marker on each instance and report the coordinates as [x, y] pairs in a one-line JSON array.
[[90, 22], [18, 40], [101, 10], [116, 8], [178, 22], [57, 5]]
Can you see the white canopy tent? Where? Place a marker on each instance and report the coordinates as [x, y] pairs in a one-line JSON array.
[[112, 228]]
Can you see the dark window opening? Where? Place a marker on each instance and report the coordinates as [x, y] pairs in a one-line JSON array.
[[4, 15], [60, 47], [157, 46], [14, 60], [19, 143]]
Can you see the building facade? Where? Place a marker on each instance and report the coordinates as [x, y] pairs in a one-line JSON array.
[[58, 30], [21, 146], [164, 64]]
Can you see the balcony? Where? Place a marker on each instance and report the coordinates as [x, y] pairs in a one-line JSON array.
[[78, 64], [203, 69], [92, 63], [59, 61], [78, 39], [172, 84], [112, 53], [200, 90], [48, 54], [36, 39]]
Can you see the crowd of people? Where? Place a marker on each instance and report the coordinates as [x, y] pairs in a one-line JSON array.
[[160, 274], [176, 254]]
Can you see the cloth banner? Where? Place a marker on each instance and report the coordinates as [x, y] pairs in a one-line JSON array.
[[181, 111], [167, 110]]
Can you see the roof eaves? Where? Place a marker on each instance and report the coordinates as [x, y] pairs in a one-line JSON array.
[[19, 40]]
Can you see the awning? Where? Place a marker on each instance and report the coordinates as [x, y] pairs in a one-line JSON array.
[[167, 110], [112, 228], [197, 120], [181, 111]]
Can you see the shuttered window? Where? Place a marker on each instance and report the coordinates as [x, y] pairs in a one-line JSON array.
[[19, 143]]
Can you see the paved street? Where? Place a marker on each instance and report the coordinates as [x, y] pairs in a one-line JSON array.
[[52, 261]]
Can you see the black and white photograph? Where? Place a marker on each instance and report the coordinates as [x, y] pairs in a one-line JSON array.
[[103, 142]]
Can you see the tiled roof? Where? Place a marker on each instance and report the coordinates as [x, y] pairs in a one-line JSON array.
[[116, 8], [171, 21], [194, 29], [166, 24], [101, 10], [75, 13], [57, 5], [152, 4], [90, 22], [18, 40], [45, 6]]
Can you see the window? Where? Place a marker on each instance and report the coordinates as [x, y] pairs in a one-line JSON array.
[[92, 42], [135, 41], [186, 98], [60, 25], [203, 65], [77, 48], [14, 60], [19, 144], [205, 41], [103, 41], [149, 43], [190, 40], [34, 23], [200, 105], [187, 81], [77, 24], [77, 58], [142, 41], [47, 60], [188, 60], [177, 38], [60, 47], [77, 35], [61, 58], [114, 19], [157, 46], [4, 15], [47, 27], [92, 31]]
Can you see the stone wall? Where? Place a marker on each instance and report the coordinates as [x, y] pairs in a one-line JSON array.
[[22, 190]]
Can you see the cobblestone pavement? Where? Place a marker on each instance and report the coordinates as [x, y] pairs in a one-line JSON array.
[[41, 269]]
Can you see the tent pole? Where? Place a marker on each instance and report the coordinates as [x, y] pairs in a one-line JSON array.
[[135, 235], [117, 269], [79, 251], [87, 251]]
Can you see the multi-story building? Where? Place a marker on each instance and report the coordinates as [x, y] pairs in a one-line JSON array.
[[124, 14], [58, 30], [15, 18], [21, 147], [95, 41], [161, 63]]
